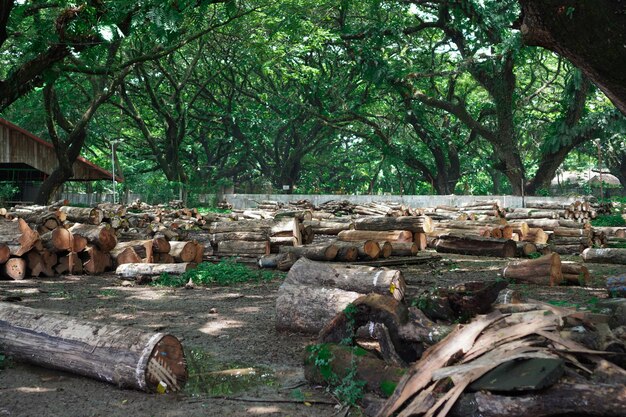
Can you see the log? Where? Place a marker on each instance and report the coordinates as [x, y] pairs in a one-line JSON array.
[[420, 240], [545, 270], [414, 224], [471, 245], [356, 278], [92, 216], [95, 261], [101, 235], [321, 227], [132, 252], [571, 232], [386, 249], [313, 252], [242, 248], [160, 245], [361, 235], [5, 253], [378, 376], [15, 269], [403, 249], [18, 236], [70, 264], [536, 235], [124, 356], [367, 250], [183, 251], [347, 253], [561, 399], [280, 261], [568, 249], [131, 270], [606, 255], [525, 248], [164, 258]]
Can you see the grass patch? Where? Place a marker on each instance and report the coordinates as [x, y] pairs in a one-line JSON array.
[[609, 220], [207, 210], [227, 272]]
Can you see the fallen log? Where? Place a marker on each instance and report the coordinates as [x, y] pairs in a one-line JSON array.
[[575, 273], [606, 255], [414, 224], [101, 235], [475, 245], [242, 248], [280, 261], [313, 252], [367, 250], [85, 215], [403, 249], [560, 399], [15, 269], [545, 270], [18, 236], [390, 236], [95, 261], [124, 356], [183, 251], [321, 227], [356, 278], [131, 270]]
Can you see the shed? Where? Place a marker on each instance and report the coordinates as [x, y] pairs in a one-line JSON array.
[[27, 160]]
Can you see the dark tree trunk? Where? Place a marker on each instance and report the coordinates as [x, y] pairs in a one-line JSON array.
[[591, 34]]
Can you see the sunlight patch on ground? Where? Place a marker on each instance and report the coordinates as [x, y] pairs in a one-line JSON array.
[[247, 310], [33, 390], [214, 328], [260, 410]]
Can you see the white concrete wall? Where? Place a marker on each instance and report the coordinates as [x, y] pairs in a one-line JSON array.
[[242, 201]]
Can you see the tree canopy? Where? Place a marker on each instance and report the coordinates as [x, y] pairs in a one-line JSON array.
[[415, 96]]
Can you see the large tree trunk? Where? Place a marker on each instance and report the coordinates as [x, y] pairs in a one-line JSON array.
[[556, 25], [479, 246], [545, 270], [123, 356]]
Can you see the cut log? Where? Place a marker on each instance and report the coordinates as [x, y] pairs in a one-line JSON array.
[[313, 252], [15, 269], [525, 248], [321, 227], [606, 255], [18, 236], [132, 252], [280, 261], [367, 250], [242, 248], [377, 375], [568, 249], [95, 261], [101, 235], [536, 235], [412, 223], [420, 240], [164, 258], [307, 309], [183, 251], [5, 253], [92, 216], [575, 273], [357, 278], [160, 245], [361, 235], [560, 399], [403, 249], [70, 264], [124, 356], [124, 255], [474, 245], [386, 249], [545, 270], [132, 270], [216, 238], [347, 252]]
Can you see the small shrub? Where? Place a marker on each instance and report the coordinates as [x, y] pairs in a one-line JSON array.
[[226, 272], [612, 220]]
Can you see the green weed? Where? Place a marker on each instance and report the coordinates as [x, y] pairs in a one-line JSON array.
[[609, 220], [226, 272]]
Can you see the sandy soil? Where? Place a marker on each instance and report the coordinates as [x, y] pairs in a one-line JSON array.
[[222, 328]]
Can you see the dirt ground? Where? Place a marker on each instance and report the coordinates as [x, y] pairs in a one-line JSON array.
[[221, 328]]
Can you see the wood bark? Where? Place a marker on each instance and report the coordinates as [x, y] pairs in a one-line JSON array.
[[85, 215], [242, 248], [561, 399], [124, 356], [132, 252], [403, 249], [525, 248], [391, 235], [15, 269], [95, 261], [472, 245], [357, 278], [5, 253], [606, 255], [536, 235], [160, 245], [18, 236], [70, 264], [216, 238], [313, 252], [420, 240], [280, 261], [132, 270], [322, 227], [183, 251], [367, 250], [101, 235], [414, 224], [347, 252], [545, 270]]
